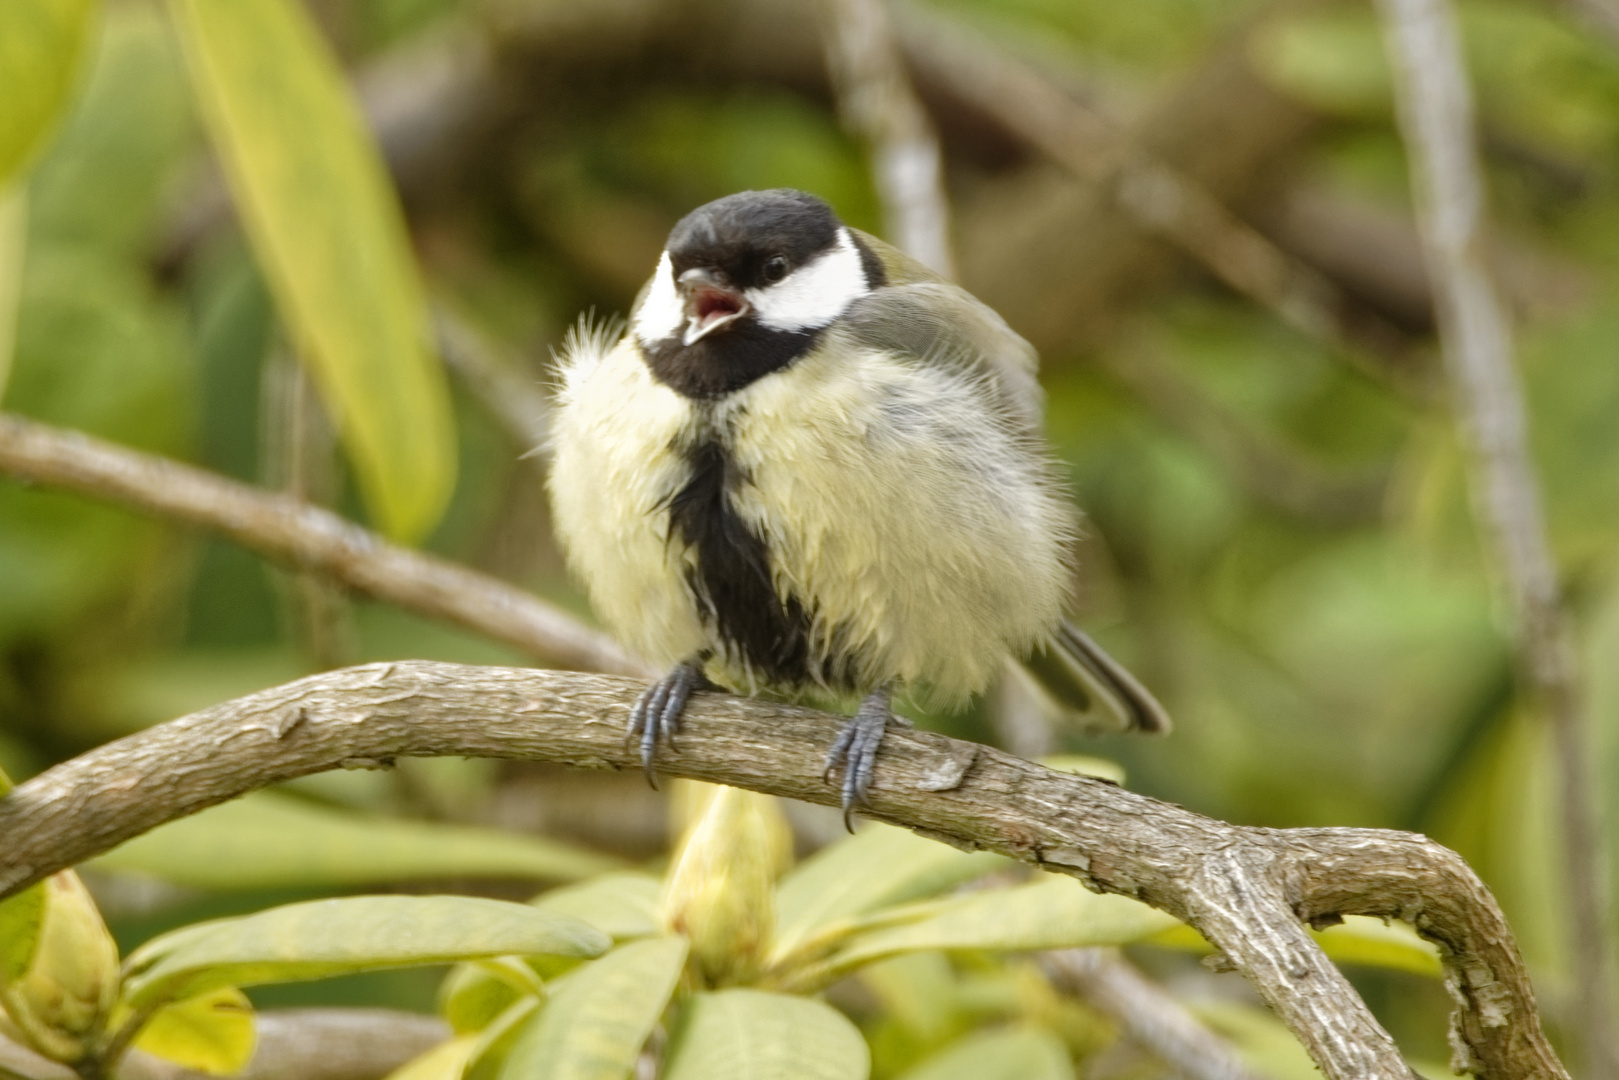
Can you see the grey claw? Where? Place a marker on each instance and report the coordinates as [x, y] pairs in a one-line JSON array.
[[856, 750], [656, 714]]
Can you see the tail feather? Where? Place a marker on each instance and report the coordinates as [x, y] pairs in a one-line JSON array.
[[1081, 678]]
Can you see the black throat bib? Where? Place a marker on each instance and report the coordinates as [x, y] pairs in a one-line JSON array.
[[726, 361]]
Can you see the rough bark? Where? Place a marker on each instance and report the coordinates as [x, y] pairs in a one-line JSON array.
[[1250, 891]]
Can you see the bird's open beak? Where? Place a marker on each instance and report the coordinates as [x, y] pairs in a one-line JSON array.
[[711, 304]]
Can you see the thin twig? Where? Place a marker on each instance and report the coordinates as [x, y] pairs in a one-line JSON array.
[[1249, 891], [876, 99], [1148, 1015], [1158, 196], [308, 1044], [300, 458], [499, 384], [1436, 118], [296, 534]]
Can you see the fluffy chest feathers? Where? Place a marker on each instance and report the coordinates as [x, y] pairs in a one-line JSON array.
[[851, 519]]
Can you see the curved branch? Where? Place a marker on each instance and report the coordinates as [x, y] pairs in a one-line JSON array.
[[304, 537], [1245, 889]]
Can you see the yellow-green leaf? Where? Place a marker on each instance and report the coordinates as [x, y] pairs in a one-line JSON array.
[[21, 917], [211, 1033], [1359, 939], [598, 1019], [327, 228], [13, 249], [622, 906], [336, 937], [41, 46], [1021, 1054], [741, 1034], [877, 867], [446, 1061], [268, 840], [1053, 913]]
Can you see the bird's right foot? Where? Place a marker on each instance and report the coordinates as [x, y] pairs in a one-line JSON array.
[[655, 716]]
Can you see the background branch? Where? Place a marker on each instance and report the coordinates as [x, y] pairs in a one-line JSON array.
[[309, 1044], [1250, 891], [1149, 1017], [876, 100], [305, 537], [1435, 110]]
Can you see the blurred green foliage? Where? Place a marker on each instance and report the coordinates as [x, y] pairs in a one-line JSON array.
[[1334, 668]]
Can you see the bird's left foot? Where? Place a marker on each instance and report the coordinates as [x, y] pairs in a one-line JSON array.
[[655, 716], [856, 749]]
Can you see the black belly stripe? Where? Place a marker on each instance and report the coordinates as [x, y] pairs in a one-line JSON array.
[[732, 581]]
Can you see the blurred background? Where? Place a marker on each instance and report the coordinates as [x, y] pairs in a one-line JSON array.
[[1199, 212]]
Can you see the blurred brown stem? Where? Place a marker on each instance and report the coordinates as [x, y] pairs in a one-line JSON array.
[[876, 99], [308, 1044], [1251, 892], [1147, 1014], [293, 533], [301, 459], [1435, 112]]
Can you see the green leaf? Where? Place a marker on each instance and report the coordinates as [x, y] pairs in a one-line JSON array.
[[622, 906], [877, 867], [497, 1038], [446, 1061], [1359, 939], [473, 994], [336, 937], [13, 250], [1263, 1041], [753, 1035], [1021, 1054], [21, 917], [41, 45], [1053, 913], [327, 228], [1363, 940], [598, 1019], [272, 841], [212, 1033]]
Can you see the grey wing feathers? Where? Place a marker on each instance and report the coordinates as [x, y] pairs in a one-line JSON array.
[[921, 315], [1081, 678]]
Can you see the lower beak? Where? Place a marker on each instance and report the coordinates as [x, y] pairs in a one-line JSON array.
[[710, 306]]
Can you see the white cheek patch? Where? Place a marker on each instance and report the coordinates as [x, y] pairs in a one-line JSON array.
[[816, 293], [662, 312]]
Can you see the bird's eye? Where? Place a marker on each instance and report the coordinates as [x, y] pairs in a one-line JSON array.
[[775, 269]]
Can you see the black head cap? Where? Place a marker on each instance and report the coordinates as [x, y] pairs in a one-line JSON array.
[[739, 234]]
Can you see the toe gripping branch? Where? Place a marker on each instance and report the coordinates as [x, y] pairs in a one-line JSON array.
[[656, 714], [856, 749]]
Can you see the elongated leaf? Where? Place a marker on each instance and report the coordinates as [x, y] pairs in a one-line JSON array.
[[446, 1061], [1358, 940], [1362, 940], [327, 228], [272, 841], [594, 1026], [1053, 913], [212, 1033], [752, 1035], [1021, 1054], [622, 906], [41, 46], [13, 249], [336, 937], [21, 917], [497, 1039], [875, 868]]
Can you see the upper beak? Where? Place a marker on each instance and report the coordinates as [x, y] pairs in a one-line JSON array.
[[711, 303]]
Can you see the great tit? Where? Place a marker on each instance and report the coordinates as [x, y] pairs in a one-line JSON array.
[[811, 466]]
